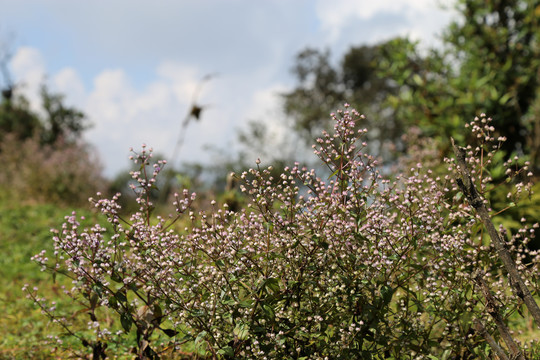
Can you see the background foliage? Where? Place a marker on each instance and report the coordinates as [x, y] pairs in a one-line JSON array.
[[488, 62]]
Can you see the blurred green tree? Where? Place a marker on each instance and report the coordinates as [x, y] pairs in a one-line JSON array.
[[16, 117], [60, 121], [43, 156], [489, 62]]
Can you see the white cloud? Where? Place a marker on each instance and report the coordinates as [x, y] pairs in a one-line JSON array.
[[68, 82], [418, 19], [29, 72], [29, 62], [124, 116], [265, 106], [109, 99], [182, 78]]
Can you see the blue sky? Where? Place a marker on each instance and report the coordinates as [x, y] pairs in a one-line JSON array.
[[132, 66]]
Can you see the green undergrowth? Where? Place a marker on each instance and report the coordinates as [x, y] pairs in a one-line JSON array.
[[24, 231]]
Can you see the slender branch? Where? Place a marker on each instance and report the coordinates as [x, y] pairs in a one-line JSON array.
[[492, 343], [493, 309], [477, 202]]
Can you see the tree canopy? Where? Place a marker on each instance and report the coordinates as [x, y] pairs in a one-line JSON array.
[[322, 88], [489, 61]]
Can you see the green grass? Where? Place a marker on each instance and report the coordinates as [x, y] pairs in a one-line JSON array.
[[25, 231]]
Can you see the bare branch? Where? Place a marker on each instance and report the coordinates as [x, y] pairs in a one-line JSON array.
[[489, 339]]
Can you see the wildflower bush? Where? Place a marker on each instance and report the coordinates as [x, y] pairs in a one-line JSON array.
[[351, 265]]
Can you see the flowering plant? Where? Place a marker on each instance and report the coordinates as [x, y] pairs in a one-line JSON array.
[[353, 266]]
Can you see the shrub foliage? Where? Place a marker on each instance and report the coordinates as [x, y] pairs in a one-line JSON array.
[[351, 265]]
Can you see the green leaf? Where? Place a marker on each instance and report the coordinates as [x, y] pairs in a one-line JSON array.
[[121, 296], [113, 303], [387, 292], [241, 331], [334, 173], [158, 314], [446, 354], [504, 99], [116, 277], [200, 337], [93, 300], [198, 313], [272, 284], [246, 303], [219, 263], [126, 321], [170, 332], [227, 300], [269, 312], [227, 351], [98, 289], [418, 80]]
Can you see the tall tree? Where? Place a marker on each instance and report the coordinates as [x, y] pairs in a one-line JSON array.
[[490, 62], [15, 115], [59, 121]]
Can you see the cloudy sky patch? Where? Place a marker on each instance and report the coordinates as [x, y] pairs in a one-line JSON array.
[[133, 66]]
